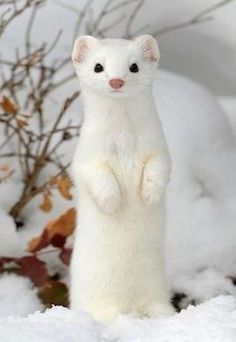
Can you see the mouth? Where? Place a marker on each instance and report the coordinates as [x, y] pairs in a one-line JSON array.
[[116, 91]]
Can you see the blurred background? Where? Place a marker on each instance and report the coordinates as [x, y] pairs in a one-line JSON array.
[[40, 119]]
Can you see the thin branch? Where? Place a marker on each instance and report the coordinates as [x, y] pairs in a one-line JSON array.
[[6, 177], [132, 17], [15, 13], [201, 17]]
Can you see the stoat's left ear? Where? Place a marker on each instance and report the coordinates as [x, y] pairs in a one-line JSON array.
[[82, 46], [149, 47]]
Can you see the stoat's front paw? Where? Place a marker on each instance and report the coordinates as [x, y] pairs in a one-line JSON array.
[[152, 191], [153, 184], [107, 197]]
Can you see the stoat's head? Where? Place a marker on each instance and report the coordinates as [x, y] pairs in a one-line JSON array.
[[116, 67]]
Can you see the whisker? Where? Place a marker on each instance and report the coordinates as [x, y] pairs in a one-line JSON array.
[[157, 90], [141, 83]]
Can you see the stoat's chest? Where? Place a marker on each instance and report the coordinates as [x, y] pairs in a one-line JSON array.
[[118, 132], [118, 141]]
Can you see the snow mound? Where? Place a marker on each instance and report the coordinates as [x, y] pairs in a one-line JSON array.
[[17, 296], [208, 322], [201, 234], [9, 240], [212, 321], [228, 103]]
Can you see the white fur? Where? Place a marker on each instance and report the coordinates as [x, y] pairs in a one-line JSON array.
[[121, 169]]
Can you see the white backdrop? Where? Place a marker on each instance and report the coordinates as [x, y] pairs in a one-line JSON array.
[[205, 52]]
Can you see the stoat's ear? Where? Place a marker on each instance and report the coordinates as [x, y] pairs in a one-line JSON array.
[[149, 47], [82, 46]]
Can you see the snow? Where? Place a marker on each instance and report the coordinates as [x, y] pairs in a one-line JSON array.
[[202, 286], [214, 321], [8, 238], [17, 296], [201, 234], [201, 231], [228, 103]]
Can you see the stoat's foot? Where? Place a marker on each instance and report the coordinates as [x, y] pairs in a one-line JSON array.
[[156, 310], [106, 314]]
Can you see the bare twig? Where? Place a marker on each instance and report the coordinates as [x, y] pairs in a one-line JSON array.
[[132, 17], [14, 11], [201, 17], [29, 79]]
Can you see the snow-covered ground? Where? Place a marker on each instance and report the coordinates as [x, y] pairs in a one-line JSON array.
[[17, 296], [201, 229], [200, 237], [214, 321]]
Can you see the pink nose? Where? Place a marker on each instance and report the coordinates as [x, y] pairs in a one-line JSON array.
[[116, 83]]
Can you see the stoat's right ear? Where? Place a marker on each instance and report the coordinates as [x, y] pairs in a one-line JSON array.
[[149, 47], [81, 47]]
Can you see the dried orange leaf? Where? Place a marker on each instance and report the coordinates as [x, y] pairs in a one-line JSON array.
[[8, 106], [54, 232], [64, 185], [46, 205], [63, 225], [38, 243], [33, 245]]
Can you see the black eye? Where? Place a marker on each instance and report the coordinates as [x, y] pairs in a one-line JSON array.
[[98, 68], [134, 67]]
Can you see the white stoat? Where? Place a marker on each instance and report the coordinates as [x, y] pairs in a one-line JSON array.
[[121, 168]]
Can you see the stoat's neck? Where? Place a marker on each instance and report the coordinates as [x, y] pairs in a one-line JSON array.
[[100, 107]]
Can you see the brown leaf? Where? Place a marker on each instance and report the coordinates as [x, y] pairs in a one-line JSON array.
[[63, 226], [5, 168], [7, 259], [8, 106], [28, 266], [53, 293], [65, 255], [34, 269], [46, 205], [58, 240], [1, 265]]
